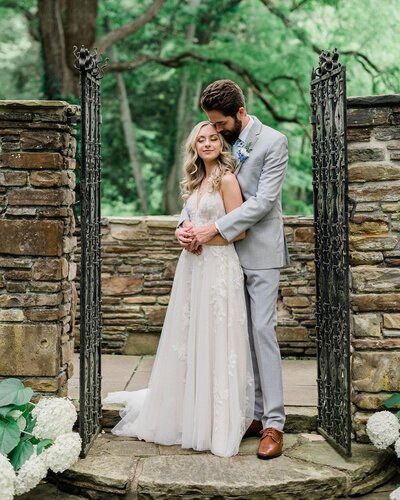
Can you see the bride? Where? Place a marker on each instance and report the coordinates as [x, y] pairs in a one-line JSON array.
[[201, 392]]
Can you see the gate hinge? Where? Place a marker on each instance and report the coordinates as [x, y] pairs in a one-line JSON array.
[[73, 120], [352, 206]]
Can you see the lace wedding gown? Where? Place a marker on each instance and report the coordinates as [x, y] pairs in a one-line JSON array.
[[201, 392]]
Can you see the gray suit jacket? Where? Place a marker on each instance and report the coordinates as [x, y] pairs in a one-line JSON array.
[[260, 177]]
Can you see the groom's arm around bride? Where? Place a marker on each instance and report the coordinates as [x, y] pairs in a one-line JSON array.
[[262, 156]]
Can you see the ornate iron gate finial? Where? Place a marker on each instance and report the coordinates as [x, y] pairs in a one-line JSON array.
[[328, 62], [89, 62]]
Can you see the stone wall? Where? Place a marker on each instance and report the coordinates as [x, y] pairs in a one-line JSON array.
[[139, 257], [374, 183], [37, 150]]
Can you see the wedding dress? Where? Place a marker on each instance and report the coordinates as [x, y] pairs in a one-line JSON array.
[[201, 390]]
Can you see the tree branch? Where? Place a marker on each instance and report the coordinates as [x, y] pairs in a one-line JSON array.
[[181, 59], [362, 58], [296, 82], [130, 28], [302, 36], [297, 5], [11, 5]]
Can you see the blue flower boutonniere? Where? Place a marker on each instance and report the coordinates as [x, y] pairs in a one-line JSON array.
[[244, 152]]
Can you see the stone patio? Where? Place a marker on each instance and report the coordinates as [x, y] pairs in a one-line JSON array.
[[133, 372], [48, 491], [309, 468]]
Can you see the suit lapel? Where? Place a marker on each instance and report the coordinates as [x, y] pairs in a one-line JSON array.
[[252, 138]]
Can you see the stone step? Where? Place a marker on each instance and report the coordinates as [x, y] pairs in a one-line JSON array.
[[309, 469], [298, 418]]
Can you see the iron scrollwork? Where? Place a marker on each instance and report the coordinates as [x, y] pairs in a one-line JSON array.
[[90, 290], [330, 186]]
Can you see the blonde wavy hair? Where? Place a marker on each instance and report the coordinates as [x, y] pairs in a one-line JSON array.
[[194, 170]]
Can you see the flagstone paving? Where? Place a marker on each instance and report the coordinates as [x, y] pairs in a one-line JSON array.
[[133, 372], [309, 468], [48, 491]]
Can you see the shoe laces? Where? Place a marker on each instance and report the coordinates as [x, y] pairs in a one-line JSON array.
[[274, 434]]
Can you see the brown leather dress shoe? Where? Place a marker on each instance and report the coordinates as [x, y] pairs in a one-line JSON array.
[[254, 429], [271, 443]]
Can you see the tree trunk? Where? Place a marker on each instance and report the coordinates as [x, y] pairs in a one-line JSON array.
[[80, 29], [172, 192], [186, 111], [130, 139], [129, 133], [250, 100], [184, 122], [63, 24], [56, 79]]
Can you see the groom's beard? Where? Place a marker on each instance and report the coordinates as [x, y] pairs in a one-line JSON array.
[[231, 136]]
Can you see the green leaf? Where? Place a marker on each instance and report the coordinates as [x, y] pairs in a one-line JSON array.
[[9, 435], [43, 444], [25, 409], [20, 454], [15, 414], [21, 422], [4, 410], [30, 423], [393, 401], [12, 391]]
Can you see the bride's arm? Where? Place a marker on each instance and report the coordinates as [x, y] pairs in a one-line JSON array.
[[232, 198]]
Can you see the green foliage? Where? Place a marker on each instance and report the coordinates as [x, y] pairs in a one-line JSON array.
[[13, 392], [393, 402], [17, 423], [269, 51], [20, 454], [9, 435]]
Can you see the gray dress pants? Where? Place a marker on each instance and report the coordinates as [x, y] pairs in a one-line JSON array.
[[261, 290]]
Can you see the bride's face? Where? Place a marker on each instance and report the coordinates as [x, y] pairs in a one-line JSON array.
[[208, 144]]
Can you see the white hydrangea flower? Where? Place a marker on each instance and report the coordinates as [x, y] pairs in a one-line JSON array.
[[397, 447], [54, 416], [395, 495], [30, 474], [7, 478], [383, 429], [64, 452]]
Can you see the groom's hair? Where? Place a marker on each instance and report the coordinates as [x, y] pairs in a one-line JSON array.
[[222, 95]]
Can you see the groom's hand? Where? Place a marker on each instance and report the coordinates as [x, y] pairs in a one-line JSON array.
[[184, 235], [185, 238], [203, 234]]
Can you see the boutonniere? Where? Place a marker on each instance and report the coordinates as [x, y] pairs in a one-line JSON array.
[[244, 151]]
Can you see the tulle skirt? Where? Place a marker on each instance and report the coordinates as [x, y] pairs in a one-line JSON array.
[[201, 390]]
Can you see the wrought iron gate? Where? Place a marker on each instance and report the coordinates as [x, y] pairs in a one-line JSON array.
[[329, 157], [90, 295]]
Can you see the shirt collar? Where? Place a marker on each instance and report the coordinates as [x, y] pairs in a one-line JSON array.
[[245, 132]]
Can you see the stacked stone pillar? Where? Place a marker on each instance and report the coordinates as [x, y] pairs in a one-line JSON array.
[[374, 184], [37, 292]]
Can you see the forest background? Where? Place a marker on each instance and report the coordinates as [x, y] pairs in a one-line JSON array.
[[162, 53]]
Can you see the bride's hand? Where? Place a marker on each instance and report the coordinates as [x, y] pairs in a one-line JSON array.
[[198, 250], [184, 236]]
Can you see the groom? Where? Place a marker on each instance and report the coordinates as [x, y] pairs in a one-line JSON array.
[[262, 156]]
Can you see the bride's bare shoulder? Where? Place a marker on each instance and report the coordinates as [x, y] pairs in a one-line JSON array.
[[229, 181]]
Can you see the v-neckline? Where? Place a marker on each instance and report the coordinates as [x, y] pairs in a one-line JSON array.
[[199, 198]]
